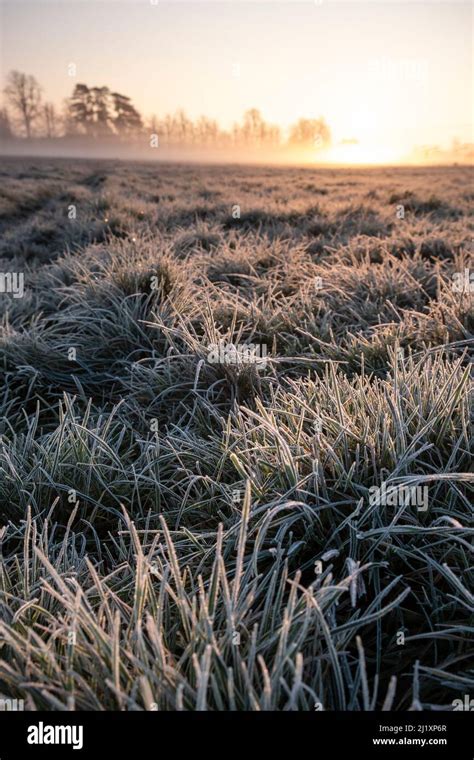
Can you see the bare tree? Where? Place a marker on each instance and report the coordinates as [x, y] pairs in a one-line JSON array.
[[182, 128], [310, 133], [5, 128], [254, 126], [255, 131], [50, 120], [24, 95], [206, 131]]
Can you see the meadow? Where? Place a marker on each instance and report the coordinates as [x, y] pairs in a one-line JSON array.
[[187, 524]]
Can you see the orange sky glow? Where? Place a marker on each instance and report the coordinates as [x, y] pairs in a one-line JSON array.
[[393, 80]]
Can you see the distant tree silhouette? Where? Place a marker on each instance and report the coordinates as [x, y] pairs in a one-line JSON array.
[[271, 135], [153, 124], [208, 132], [254, 126], [182, 128], [50, 120], [126, 120], [24, 95], [102, 111], [255, 131], [309, 133], [97, 112], [80, 110], [5, 126]]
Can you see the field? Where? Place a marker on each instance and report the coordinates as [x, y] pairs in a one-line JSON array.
[[209, 374]]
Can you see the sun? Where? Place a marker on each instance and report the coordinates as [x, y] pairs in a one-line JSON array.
[[358, 154]]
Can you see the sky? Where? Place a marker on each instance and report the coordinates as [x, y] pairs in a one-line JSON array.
[[389, 75]]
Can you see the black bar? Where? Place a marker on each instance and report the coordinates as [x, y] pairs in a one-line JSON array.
[[141, 734]]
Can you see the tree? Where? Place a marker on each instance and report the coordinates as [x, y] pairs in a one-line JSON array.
[[90, 110], [153, 126], [182, 128], [5, 128], [310, 133], [168, 128], [273, 136], [97, 112], [24, 95], [254, 126], [102, 111], [126, 120], [80, 110], [255, 130], [206, 131], [50, 120]]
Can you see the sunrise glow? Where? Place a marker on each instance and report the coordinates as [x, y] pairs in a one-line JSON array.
[[398, 90]]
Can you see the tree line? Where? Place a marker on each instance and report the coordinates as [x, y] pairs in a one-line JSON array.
[[97, 112]]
